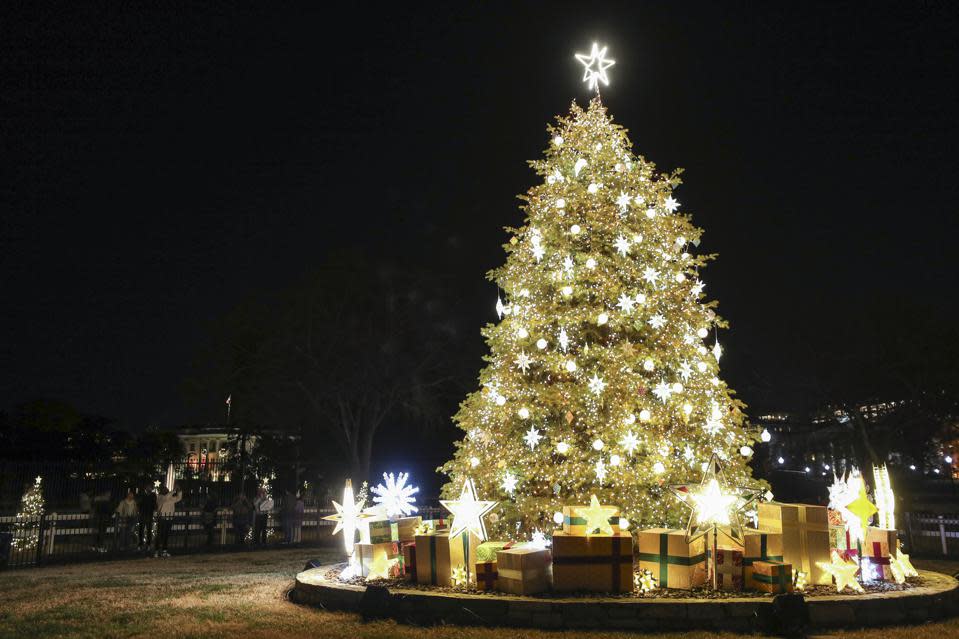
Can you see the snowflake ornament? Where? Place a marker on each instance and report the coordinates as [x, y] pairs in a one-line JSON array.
[[532, 437], [509, 482], [396, 496], [596, 385]]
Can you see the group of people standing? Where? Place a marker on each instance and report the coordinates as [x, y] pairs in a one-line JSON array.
[[136, 513]]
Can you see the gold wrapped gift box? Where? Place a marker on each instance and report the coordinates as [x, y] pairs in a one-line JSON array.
[[674, 562], [437, 555], [805, 533], [598, 563]]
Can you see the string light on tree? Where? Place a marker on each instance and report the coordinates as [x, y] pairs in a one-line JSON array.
[[628, 302]]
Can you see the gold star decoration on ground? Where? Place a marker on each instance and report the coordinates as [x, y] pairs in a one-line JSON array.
[[902, 559], [597, 517], [596, 64], [897, 574], [645, 581], [714, 504], [348, 516], [800, 581], [468, 512], [844, 572], [861, 507], [458, 576], [380, 568]]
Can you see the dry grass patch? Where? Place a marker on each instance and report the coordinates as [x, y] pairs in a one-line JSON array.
[[244, 595]]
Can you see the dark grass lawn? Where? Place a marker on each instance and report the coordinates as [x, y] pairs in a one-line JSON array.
[[242, 595]]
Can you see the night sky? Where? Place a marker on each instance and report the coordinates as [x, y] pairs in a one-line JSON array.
[[161, 167]]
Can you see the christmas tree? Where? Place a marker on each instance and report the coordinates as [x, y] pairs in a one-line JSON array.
[[27, 527], [603, 372]]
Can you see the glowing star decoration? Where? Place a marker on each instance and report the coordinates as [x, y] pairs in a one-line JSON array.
[[532, 437], [902, 559], [539, 540], [715, 422], [861, 507], [600, 470], [800, 580], [596, 64], [697, 289], [671, 204], [625, 303], [468, 512], [523, 361], [381, 567], [629, 442], [458, 576], [717, 350], [596, 385], [396, 496], [622, 245], [844, 572], [657, 321], [714, 505], [885, 499], [563, 340], [645, 581], [650, 275], [663, 391], [500, 309], [597, 517], [896, 569], [685, 370], [623, 201], [347, 517], [509, 482]]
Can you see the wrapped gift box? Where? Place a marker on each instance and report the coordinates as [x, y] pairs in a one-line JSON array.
[[674, 562], [879, 544], [574, 523], [729, 568], [383, 531], [598, 563], [486, 575], [762, 546], [835, 518], [437, 555], [842, 542], [406, 527], [769, 576], [522, 571], [366, 554], [408, 549], [805, 534]]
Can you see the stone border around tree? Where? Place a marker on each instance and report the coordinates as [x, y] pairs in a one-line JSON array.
[[937, 598]]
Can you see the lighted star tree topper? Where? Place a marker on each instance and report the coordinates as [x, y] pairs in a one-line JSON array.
[[595, 64], [603, 373]]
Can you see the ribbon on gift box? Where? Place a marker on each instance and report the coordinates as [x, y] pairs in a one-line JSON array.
[[763, 552], [664, 559], [614, 560], [486, 574], [783, 579], [878, 558]]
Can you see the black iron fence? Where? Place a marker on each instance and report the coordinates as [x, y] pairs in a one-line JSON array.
[[63, 537]]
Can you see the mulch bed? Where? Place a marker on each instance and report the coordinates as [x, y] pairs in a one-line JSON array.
[[333, 574]]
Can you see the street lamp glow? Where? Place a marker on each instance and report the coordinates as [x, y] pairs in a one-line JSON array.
[[781, 460], [765, 436], [948, 459], [912, 467]]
